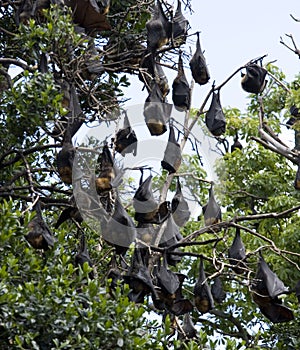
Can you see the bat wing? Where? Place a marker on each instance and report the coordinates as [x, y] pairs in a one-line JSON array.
[[277, 313], [217, 290], [202, 292], [212, 210], [215, 118], [237, 252], [180, 24], [198, 65], [172, 156], [273, 284]]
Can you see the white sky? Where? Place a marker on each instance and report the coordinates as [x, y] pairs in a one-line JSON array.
[[232, 33]]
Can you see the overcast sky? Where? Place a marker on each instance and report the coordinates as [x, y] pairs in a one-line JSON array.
[[232, 33]]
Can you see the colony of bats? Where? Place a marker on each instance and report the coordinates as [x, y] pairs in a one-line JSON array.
[[146, 275]]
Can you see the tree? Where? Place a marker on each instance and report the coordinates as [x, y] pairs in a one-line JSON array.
[[91, 257]]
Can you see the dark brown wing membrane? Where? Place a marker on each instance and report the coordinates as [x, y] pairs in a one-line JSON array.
[[254, 79], [202, 292], [198, 65], [172, 156], [215, 118], [181, 94]]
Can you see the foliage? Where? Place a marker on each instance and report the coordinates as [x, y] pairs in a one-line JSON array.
[[69, 75]]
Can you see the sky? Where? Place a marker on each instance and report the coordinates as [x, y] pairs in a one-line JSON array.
[[232, 33]]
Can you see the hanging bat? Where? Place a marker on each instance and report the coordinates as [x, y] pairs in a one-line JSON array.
[[189, 330], [236, 144], [83, 255], [151, 71], [172, 156], [161, 80], [265, 292], [120, 229], [170, 236], [106, 171], [179, 25], [198, 65], [217, 290], [156, 111], [158, 29], [215, 118], [168, 282], [146, 208], [202, 293], [237, 253], [268, 280], [65, 158], [180, 306], [70, 213], [181, 93], [114, 274], [179, 207], [146, 233], [211, 210], [126, 140], [39, 235], [297, 178], [89, 15], [147, 69], [138, 278], [254, 80]]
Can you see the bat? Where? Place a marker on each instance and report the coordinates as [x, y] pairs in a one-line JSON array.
[[120, 229], [170, 236], [172, 156], [146, 233], [156, 111], [297, 178], [236, 144], [188, 327], [89, 15], [158, 29], [265, 291], [147, 69], [83, 255], [114, 274], [179, 207], [69, 213], [138, 277], [167, 281], [126, 140], [39, 235], [276, 313], [147, 210], [106, 171], [215, 118], [151, 71], [202, 293], [237, 253], [211, 210], [179, 25], [27, 9], [180, 306], [181, 93], [198, 65], [268, 280], [254, 80], [65, 158], [161, 80], [294, 111], [217, 290]]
